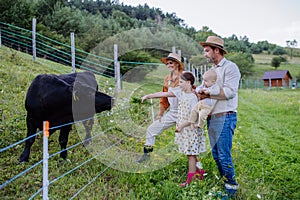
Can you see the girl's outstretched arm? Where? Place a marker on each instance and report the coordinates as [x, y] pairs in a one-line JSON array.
[[158, 95]]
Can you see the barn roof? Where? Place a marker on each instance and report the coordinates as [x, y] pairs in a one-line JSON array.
[[276, 74]]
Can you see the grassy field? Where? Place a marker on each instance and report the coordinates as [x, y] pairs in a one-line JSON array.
[[265, 150], [263, 63]]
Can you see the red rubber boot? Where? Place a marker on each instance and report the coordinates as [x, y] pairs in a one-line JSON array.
[[188, 180]]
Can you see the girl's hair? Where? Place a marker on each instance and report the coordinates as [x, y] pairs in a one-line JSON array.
[[188, 76]]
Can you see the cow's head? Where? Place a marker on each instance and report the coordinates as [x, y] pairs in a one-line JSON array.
[[103, 102], [88, 101]]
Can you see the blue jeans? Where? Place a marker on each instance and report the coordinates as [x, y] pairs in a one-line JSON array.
[[221, 131]]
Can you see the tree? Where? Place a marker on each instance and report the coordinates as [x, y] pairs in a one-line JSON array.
[[233, 44], [255, 49], [44, 9], [244, 61], [291, 45], [19, 12], [279, 51], [202, 34], [276, 62]]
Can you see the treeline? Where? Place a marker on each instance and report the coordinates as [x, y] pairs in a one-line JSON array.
[[95, 21]]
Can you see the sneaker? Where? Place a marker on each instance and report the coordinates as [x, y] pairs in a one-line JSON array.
[[231, 189], [145, 157]]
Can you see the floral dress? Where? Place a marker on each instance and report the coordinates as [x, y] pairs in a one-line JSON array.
[[190, 142]]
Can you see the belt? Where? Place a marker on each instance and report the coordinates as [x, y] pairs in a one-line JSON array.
[[220, 114]]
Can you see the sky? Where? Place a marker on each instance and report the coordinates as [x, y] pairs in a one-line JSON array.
[[273, 20]]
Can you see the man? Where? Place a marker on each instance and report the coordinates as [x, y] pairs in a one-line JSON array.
[[223, 118], [167, 120]]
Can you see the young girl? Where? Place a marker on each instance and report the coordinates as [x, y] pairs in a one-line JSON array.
[[189, 141]]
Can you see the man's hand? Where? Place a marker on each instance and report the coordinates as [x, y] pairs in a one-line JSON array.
[[202, 94]]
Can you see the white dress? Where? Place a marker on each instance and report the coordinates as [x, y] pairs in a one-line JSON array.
[[190, 142]]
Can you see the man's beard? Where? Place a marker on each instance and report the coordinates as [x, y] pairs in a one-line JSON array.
[[209, 60]]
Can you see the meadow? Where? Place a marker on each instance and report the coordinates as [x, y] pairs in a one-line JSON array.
[[265, 150]]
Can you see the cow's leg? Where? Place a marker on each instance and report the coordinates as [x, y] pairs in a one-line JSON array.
[[31, 130], [88, 125], [63, 140]]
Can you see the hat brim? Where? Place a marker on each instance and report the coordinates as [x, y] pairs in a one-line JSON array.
[[212, 45], [165, 59]]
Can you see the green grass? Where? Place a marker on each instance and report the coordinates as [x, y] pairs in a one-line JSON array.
[[267, 58], [265, 150]]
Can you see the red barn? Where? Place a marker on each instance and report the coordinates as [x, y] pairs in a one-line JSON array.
[[277, 78]]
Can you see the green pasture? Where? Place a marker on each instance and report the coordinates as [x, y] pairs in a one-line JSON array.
[[265, 150]]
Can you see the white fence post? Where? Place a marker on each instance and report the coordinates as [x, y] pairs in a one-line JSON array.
[[73, 51], [117, 69], [179, 53], [118, 77], [173, 49], [45, 159], [34, 38], [197, 74], [241, 83]]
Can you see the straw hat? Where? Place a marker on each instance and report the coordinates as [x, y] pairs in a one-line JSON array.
[[215, 42], [174, 57]]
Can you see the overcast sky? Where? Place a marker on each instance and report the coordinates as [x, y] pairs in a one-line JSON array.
[[273, 20]]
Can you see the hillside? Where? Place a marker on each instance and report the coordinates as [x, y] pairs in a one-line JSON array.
[[263, 63]]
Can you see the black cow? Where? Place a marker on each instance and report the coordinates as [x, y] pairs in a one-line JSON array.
[[61, 99]]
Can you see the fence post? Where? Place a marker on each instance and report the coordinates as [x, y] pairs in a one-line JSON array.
[[45, 159], [173, 49], [34, 38], [196, 74], [117, 69], [179, 53], [118, 77], [73, 51], [241, 84]]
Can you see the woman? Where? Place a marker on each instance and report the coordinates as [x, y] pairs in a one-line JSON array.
[[167, 120]]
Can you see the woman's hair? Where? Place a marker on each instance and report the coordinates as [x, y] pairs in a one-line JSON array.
[[188, 76]]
